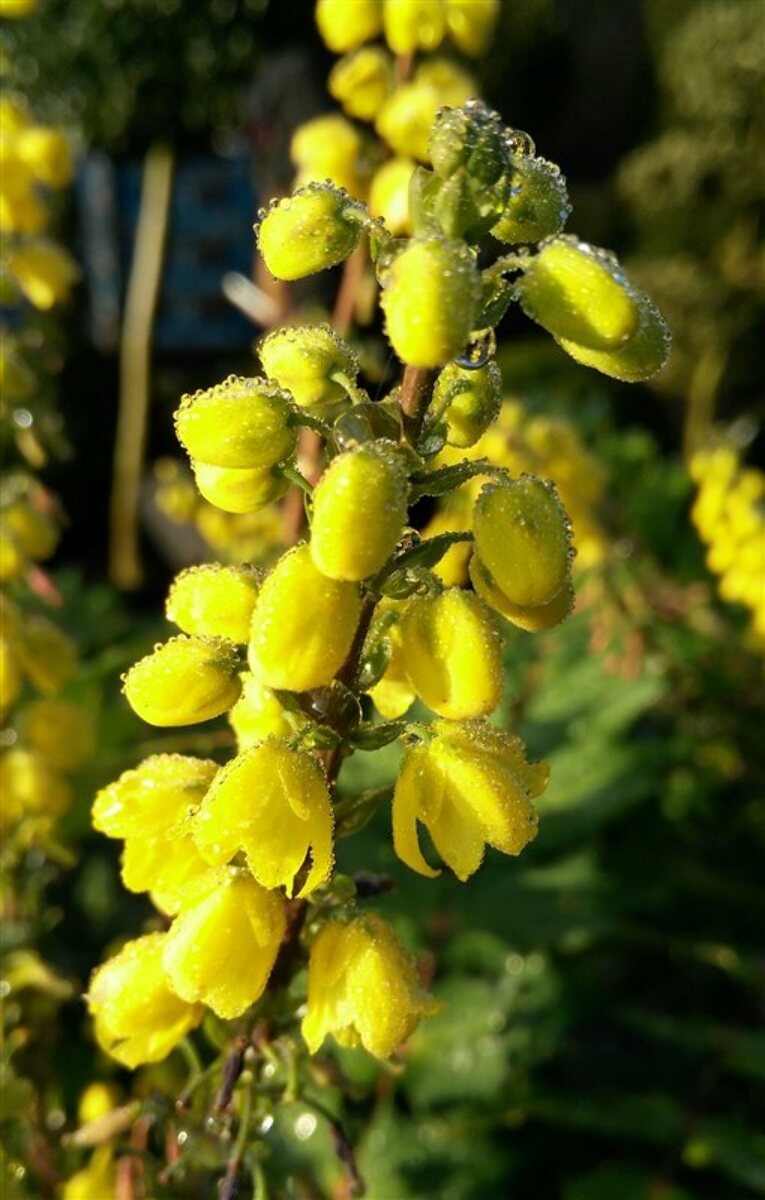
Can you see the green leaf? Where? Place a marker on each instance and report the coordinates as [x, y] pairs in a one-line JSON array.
[[373, 737], [447, 479]]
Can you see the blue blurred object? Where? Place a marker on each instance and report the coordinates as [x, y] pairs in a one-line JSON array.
[[212, 212]]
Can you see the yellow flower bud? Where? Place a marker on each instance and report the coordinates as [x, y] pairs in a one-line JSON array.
[[96, 1180], [155, 797], [168, 866], [471, 23], [522, 538], [238, 489], [138, 1019], [642, 357], [28, 786], [309, 231], [389, 195], [258, 713], [470, 786], [538, 206], [331, 147], [186, 680], [214, 601], [359, 512], [532, 618], [10, 676], [222, 947], [273, 803], [412, 25], [45, 272], [62, 732], [362, 988], [470, 400], [430, 298], [579, 293], [345, 26], [22, 212], [47, 655], [362, 82], [96, 1101], [452, 654], [237, 423], [406, 118], [47, 153], [304, 359], [34, 533], [303, 624]]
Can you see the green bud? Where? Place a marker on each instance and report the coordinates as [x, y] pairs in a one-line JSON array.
[[314, 229], [430, 295], [538, 206], [472, 137], [579, 292], [642, 357], [304, 358], [523, 539], [470, 399], [238, 423], [238, 489], [359, 512]]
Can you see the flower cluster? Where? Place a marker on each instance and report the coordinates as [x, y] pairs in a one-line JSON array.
[[729, 513]]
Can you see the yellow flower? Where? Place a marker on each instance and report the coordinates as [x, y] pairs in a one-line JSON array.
[[303, 624], [242, 423], [305, 360], [471, 24], [273, 803], [641, 357], [96, 1101], [95, 1181], [47, 655], [359, 512], [389, 195], [222, 947], [186, 680], [47, 153], [345, 26], [532, 618], [393, 695], [238, 489], [470, 786], [362, 988], [406, 118], [168, 866], [309, 231], [212, 600], [28, 786], [452, 654], [258, 713], [332, 147], [45, 272], [430, 295], [17, 8], [362, 82], [62, 732], [412, 25], [154, 797], [470, 400], [138, 1018]]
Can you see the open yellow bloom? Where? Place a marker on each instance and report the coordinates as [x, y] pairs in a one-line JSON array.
[[222, 947], [167, 866], [138, 1019], [362, 988], [157, 795], [273, 803], [470, 786]]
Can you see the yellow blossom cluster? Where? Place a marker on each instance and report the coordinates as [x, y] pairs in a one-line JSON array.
[[729, 514]]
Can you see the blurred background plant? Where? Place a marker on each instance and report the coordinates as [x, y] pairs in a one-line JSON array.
[[602, 1036]]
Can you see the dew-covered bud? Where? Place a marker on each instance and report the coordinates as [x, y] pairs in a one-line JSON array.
[[138, 1018], [579, 292], [538, 206], [412, 25], [314, 229], [345, 26], [304, 359], [470, 786], [214, 601], [238, 423], [470, 401], [362, 988], [62, 732], [389, 195], [532, 618], [359, 512], [523, 539], [158, 795], [44, 271], [258, 713], [273, 804], [471, 137], [362, 82], [430, 295], [47, 655], [239, 489], [222, 947], [642, 357], [470, 24], [186, 680], [452, 654], [303, 624], [406, 118]]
